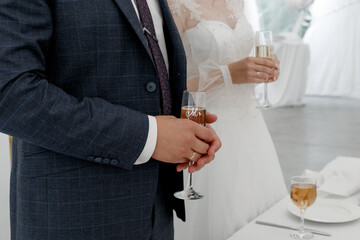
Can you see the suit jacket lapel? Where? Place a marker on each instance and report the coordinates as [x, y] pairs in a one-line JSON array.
[[128, 10], [174, 43], [169, 23]]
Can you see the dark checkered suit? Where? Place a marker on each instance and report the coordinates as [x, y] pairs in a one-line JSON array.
[[76, 85]]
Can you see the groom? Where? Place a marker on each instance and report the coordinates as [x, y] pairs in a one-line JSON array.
[[80, 82]]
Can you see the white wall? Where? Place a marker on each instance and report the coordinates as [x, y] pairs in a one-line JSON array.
[[4, 187]]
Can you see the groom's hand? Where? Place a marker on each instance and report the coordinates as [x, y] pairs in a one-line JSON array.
[[181, 140], [214, 146]]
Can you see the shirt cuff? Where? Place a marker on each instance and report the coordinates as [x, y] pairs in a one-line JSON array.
[[150, 144], [226, 75]]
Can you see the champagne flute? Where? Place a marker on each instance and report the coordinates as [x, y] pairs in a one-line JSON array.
[[264, 49], [303, 195], [192, 108]]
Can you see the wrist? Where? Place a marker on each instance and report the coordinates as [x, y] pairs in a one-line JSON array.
[[232, 72], [227, 75]]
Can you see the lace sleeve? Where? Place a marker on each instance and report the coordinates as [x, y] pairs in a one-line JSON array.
[[210, 78], [204, 71], [183, 10]]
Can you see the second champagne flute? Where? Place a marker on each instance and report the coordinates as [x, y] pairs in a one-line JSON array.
[[192, 108], [264, 49]]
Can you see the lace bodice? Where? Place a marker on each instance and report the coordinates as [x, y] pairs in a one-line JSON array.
[[194, 7], [215, 36]]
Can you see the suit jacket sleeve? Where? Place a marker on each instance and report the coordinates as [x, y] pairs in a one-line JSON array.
[[41, 113]]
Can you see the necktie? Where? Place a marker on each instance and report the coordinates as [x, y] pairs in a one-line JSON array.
[[149, 31]]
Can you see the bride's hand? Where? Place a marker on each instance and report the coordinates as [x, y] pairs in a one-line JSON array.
[[277, 69], [254, 70]]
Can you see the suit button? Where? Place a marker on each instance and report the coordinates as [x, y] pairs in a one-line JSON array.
[[151, 87], [98, 160], [114, 162], [90, 158], [106, 161]]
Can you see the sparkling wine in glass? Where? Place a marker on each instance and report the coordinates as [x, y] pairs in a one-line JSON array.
[[303, 195], [192, 108], [264, 49]]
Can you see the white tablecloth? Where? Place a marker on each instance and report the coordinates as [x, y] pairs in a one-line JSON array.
[[280, 215], [289, 89]]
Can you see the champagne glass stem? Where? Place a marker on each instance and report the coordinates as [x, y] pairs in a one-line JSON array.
[[265, 91], [189, 182], [301, 229]]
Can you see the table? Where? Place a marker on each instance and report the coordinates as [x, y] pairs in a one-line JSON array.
[[280, 215], [294, 56]]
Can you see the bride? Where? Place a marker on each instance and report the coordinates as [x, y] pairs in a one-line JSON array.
[[246, 178]]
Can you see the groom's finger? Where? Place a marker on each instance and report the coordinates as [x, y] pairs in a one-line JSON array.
[[194, 156], [199, 147], [186, 161], [201, 163], [203, 133], [182, 166], [214, 145], [210, 118]]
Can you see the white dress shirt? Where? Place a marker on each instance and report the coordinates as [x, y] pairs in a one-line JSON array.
[[156, 14]]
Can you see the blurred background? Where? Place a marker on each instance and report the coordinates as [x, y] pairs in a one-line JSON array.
[[316, 113]]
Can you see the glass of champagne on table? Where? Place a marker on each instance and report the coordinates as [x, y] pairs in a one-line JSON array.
[[303, 195], [192, 108], [264, 49]]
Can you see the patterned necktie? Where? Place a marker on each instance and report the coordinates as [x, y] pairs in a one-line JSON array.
[[149, 31]]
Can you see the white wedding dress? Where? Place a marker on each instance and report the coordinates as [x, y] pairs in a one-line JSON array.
[[245, 178]]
